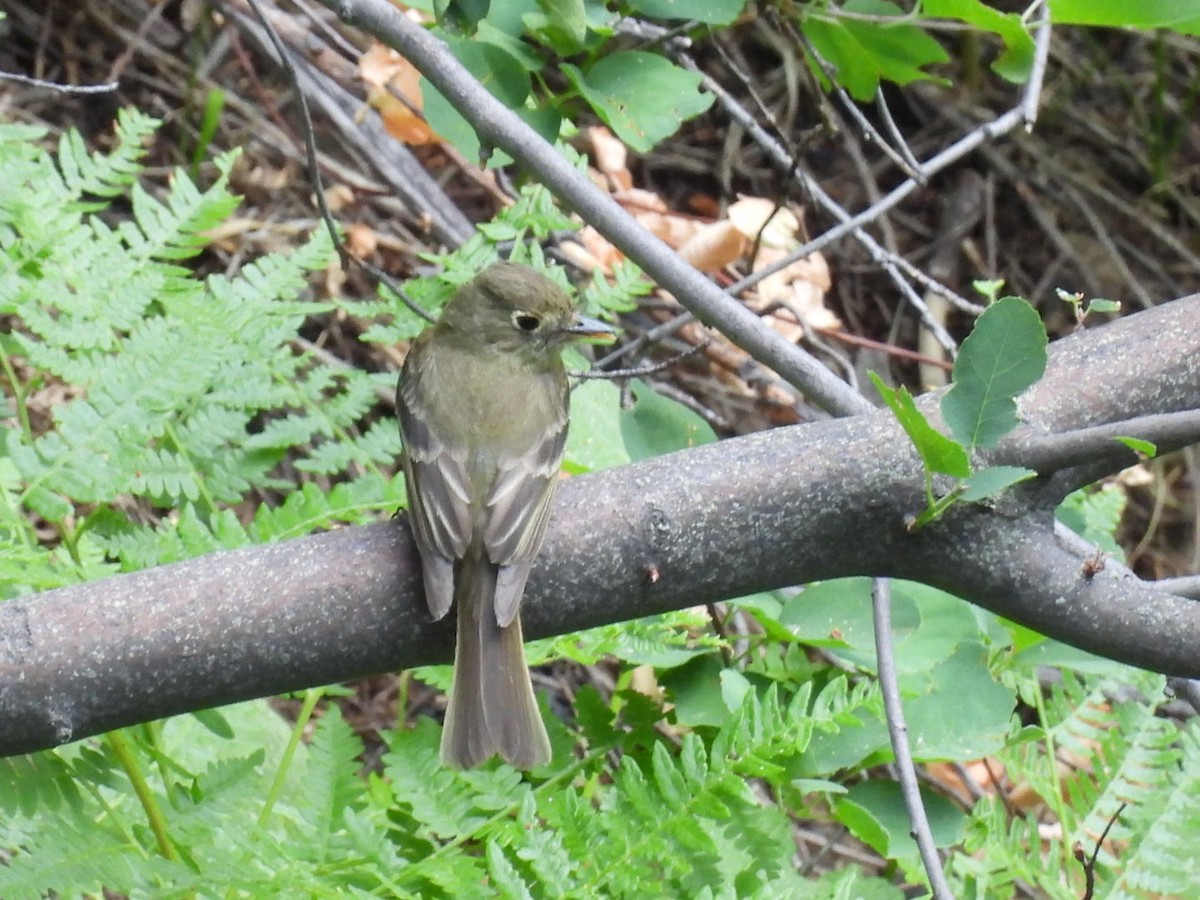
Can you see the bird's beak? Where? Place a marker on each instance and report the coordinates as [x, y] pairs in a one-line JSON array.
[[592, 330]]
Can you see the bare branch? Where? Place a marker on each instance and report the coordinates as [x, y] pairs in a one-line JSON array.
[[889, 685], [59, 88], [1098, 443], [777, 508]]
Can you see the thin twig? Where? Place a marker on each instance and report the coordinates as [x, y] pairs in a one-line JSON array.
[[1089, 863], [314, 171], [898, 732], [885, 113], [891, 263], [1033, 87], [107, 88], [310, 143], [908, 165], [642, 371], [1104, 236]]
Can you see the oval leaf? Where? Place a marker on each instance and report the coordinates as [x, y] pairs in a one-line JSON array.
[[1002, 357]]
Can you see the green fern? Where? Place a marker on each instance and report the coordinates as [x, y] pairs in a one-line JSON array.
[[181, 389], [1164, 861], [685, 822], [1131, 774]]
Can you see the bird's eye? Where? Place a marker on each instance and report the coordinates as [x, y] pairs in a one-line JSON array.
[[526, 322]]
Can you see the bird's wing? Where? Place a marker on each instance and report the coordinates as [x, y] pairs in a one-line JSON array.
[[518, 504], [438, 490]]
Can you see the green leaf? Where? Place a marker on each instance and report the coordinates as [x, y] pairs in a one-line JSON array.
[[461, 15], [1014, 63], [567, 20], [1101, 305], [938, 452], [1141, 447], [497, 70], [696, 690], [1182, 16], [214, 722], [642, 97], [928, 625], [988, 288], [710, 12], [874, 811], [993, 480], [545, 120], [1094, 515], [940, 726], [594, 440], [1055, 655], [655, 424], [1002, 357], [863, 52], [940, 651], [604, 435]]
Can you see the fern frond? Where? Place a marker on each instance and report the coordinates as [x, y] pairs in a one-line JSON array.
[[1154, 840], [110, 174], [331, 787]]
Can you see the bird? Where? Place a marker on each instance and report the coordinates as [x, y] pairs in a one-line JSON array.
[[483, 402]]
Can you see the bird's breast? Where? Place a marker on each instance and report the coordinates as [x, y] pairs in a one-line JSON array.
[[498, 403]]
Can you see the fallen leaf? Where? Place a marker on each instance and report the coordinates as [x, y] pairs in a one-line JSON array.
[[714, 246], [394, 90]]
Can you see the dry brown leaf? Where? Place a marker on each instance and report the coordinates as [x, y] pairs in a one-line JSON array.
[[1135, 476], [335, 277], [672, 230], [580, 256], [598, 248], [390, 77], [761, 219], [636, 200], [714, 246], [361, 241], [801, 287], [611, 157], [651, 212], [339, 196], [644, 680], [784, 321], [981, 774]]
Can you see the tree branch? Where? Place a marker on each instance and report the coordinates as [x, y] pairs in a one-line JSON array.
[[1098, 443], [749, 514]]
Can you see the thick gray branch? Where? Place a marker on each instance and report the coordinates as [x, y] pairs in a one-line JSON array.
[[749, 514]]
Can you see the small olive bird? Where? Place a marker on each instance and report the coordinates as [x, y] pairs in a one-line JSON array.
[[483, 403]]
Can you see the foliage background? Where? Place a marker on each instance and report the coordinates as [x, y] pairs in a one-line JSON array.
[[168, 398]]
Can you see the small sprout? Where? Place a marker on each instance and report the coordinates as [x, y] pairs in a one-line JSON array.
[[989, 288], [1082, 310]]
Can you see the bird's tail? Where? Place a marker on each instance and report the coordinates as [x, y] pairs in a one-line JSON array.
[[492, 708]]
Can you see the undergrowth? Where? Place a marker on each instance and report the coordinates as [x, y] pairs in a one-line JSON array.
[[155, 416]]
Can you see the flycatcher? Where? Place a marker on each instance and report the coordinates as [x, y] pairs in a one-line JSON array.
[[483, 401]]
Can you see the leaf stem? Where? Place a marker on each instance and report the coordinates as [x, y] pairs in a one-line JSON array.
[[154, 814], [311, 697], [18, 395]]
